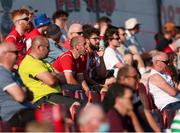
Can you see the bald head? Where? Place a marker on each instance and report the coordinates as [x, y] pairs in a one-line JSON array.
[[5, 47], [76, 41], [74, 29], [39, 40]]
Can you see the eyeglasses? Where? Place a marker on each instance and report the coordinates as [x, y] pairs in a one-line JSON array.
[[134, 77], [117, 38], [79, 33], [26, 19], [124, 34], [95, 38]]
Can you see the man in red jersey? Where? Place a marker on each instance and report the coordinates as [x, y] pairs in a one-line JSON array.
[[21, 22], [41, 23], [69, 64]]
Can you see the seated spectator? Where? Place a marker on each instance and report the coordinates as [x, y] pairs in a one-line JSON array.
[[132, 28], [112, 59], [40, 77], [119, 107], [128, 56], [127, 75], [13, 97], [92, 122], [161, 86], [41, 22], [70, 66], [20, 18], [74, 30], [96, 72], [53, 33]]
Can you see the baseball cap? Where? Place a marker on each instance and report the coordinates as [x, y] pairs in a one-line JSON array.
[[41, 20], [169, 26], [131, 23]]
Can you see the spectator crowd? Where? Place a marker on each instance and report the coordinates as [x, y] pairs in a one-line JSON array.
[[87, 78]]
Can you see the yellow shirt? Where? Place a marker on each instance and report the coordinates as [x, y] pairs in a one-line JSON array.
[[28, 70]]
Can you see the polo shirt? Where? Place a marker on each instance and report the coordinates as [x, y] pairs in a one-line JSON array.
[[67, 44], [29, 69], [30, 37], [19, 41]]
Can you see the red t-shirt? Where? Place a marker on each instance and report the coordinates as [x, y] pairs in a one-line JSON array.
[[168, 49], [19, 41], [31, 35], [67, 44], [66, 63]]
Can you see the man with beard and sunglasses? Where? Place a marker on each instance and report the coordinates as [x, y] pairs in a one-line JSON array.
[[21, 22]]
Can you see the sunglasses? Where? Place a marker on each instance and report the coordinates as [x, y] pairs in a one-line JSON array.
[[165, 62], [124, 34], [115, 38], [95, 38], [26, 19], [79, 33], [137, 77]]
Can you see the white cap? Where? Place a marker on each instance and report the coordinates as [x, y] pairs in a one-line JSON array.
[[131, 23]]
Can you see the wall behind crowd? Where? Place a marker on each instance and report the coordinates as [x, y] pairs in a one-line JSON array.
[[85, 11]]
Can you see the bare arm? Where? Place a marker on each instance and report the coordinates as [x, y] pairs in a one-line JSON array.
[[157, 80], [70, 78], [16, 92], [48, 78], [151, 121]]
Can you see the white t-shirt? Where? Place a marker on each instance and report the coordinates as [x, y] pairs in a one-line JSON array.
[[161, 98], [111, 58]]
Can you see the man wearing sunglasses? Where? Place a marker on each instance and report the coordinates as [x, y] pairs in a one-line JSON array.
[[75, 29], [21, 24], [112, 58], [128, 75], [161, 86]]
